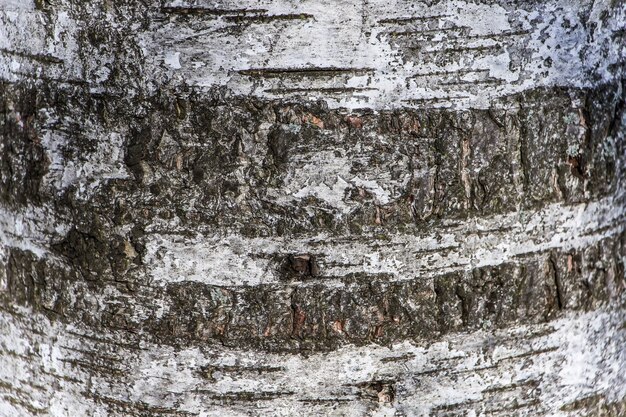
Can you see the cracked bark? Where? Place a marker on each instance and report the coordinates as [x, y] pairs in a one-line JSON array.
[[279, 208]]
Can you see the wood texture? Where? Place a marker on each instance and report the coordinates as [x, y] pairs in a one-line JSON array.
[[349, 208]]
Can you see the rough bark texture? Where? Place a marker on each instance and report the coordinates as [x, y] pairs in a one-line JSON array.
[[381, 208]]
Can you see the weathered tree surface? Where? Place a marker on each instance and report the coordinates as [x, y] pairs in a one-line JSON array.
[[279, 208]]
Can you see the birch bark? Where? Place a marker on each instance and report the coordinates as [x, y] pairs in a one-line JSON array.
[[348, 208]]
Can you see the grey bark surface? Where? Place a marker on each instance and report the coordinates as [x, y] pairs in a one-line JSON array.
[[356, 208]]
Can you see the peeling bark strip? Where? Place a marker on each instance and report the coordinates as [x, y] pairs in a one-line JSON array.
[[312, 208]]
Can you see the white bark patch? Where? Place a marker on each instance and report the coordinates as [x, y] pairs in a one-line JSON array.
[[383, 54], [31, 229], [27, 48], [478, 242], [329, 175], [379, 54], [105, 163], [541, 367]]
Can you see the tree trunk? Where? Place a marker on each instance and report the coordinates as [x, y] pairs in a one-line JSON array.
[[349, 208]]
